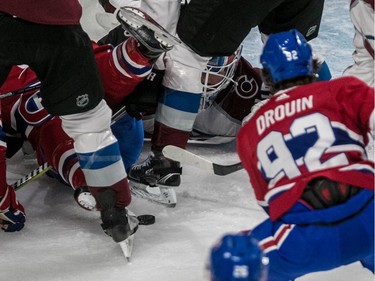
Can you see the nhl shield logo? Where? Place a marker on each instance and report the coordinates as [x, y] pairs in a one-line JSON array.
[[311, 30], [82, 100]]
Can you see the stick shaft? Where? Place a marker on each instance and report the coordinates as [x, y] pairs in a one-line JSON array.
[[34, 174], [191, 159], [20, 91]]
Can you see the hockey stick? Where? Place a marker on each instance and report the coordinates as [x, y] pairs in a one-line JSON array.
[[45, 167], [41, 170], [191, 159], [119, 113], [20, 91]]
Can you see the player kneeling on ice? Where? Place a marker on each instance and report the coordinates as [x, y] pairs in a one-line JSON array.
[[121, 68], [237, 257], [304, 151]]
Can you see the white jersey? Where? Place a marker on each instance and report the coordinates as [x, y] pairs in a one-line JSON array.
[[362, 16], [164, 12], [183, 67]]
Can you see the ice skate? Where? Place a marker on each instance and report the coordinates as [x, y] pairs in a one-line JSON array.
[[165, 196], [154, 179], [116, 222], [154, 39]]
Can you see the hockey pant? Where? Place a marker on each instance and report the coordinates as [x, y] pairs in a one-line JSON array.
[[130, 135], [217, 27], [308, 241]]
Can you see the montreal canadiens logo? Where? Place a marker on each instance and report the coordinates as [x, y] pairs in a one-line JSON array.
[[82, 100]]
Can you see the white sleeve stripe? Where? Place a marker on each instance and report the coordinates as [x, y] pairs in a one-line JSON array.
[[62, 160], [117, 64], [129, 60], [72, 171]]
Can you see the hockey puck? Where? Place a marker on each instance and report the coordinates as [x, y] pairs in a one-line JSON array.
[[146, 219]]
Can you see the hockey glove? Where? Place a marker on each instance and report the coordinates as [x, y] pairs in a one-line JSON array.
[[12, 213]]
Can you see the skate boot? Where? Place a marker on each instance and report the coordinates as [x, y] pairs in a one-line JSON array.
[[153, 38], [154, 179], [115, 219]]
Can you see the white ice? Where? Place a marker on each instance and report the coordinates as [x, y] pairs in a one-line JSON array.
[[63, 242]]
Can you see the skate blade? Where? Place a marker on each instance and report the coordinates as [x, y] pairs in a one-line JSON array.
[[134, 18], [127, 247], [167, 196]]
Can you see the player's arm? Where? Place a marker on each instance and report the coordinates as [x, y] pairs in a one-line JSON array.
[[362, 16]]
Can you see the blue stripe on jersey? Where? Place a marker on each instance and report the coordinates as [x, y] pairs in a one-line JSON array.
[[136, 70], [183, 101], [100, 158], [299, 145]]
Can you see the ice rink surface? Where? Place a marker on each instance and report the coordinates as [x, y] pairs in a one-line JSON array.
[[63, 242]]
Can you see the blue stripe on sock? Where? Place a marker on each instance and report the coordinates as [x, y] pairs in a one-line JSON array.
[[100, 158], [183, 101], [135, 70]]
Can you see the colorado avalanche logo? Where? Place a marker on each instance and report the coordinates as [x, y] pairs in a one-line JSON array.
[[82, 100], [246, 88]]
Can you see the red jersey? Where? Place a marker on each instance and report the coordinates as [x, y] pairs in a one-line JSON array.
[[66, 12], [310, 131]]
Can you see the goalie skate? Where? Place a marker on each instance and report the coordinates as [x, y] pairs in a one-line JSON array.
[[165, 196], [134, 20]]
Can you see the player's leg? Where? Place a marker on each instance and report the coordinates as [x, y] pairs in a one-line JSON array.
[[71, 89], [161, 171]]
